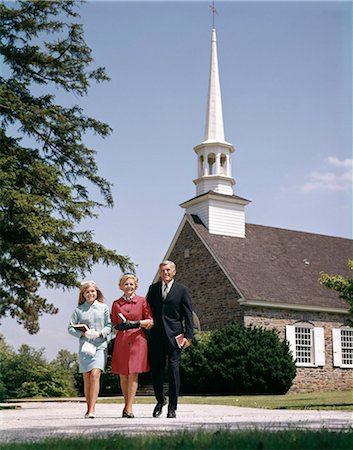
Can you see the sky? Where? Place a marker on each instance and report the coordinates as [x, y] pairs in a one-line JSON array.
[[286, 82]]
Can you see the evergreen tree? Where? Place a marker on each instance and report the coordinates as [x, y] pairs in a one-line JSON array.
[[236, 360], [342, 285], [46, 170]]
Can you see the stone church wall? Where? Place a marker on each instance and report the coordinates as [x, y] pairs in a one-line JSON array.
[[213, 296], [308, 379]]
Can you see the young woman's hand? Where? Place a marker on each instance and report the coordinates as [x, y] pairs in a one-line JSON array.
[[146, 323]]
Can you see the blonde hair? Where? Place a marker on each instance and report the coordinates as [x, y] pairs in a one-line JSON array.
[[126, 277], [84, 286]]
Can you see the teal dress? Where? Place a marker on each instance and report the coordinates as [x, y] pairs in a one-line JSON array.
[[94, 316]]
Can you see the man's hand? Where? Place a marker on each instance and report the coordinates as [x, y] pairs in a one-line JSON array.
[[92, 334], [186, 343]]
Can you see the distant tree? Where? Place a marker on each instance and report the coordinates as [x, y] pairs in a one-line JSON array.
[[6, 355], [66, 365], [27, 373], [46, 169], [342, 285]]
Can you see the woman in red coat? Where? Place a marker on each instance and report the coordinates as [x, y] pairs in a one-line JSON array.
[[130, 313]]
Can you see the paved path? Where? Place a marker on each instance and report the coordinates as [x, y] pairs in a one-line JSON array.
[[38, 420]]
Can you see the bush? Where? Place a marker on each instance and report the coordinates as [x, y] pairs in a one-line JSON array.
[[237, 360]]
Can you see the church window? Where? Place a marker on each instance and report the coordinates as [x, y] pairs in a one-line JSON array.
[[307, 344], [186, 253], [342, 345]]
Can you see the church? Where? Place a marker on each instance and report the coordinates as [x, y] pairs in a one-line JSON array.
[[260, 275]]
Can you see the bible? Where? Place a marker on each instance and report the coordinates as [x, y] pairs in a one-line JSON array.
[[81, 327], [179, 339]]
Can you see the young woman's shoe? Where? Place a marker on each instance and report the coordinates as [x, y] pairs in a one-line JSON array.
[[128, 415]]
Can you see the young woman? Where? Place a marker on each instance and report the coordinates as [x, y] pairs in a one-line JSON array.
[[129, 314], [90, 322]]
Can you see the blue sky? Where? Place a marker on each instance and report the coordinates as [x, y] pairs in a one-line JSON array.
[[285, 71]]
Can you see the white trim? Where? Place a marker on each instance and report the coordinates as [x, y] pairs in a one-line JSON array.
[[290, 336], [211, 196], [336, 347], [319, 346], [279, 305]]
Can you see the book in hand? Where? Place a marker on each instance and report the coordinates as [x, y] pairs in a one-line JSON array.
[[81, 327], [122, 317], [179, 339]]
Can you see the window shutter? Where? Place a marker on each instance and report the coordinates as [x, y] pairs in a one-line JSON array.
[[290, 336], [336, 347], [319, 346]]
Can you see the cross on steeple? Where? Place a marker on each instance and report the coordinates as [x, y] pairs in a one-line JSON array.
[[214, 11]]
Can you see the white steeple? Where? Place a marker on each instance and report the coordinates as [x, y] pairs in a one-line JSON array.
[[214, 153], [214, 130], [219, 209]]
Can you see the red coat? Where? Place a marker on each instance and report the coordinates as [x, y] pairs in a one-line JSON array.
[[130, 346]]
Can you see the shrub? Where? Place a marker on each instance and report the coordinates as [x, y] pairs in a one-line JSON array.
[[238, 360]]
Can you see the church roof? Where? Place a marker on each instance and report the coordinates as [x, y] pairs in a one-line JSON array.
[[278, 266]]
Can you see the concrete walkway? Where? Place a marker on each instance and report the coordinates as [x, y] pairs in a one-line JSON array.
[[35, 421]]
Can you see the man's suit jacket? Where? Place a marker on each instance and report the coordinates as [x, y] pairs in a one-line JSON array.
[[172, 315]]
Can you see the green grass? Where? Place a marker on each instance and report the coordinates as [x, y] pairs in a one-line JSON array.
[[337, 400], [219, 440]]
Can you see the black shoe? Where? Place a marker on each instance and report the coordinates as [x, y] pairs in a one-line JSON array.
[[158, 408], [171, 414], [128, 415]]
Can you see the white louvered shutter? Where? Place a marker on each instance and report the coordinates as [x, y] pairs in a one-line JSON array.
[[337, 347], [319, 346], [290, 336]]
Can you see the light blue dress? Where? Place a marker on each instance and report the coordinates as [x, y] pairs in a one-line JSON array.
[[95, 316]]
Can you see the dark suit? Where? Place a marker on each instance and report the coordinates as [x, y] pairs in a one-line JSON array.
[[171, 317]]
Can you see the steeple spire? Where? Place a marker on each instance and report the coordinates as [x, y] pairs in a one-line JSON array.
[[214, 130], [214, 153], [219, 209]]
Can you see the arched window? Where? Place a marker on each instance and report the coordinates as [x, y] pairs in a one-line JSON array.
[[223, 168], [201, 166], [211, 163]]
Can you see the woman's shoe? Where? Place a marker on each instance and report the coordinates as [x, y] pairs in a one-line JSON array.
[[128, 415], [86, 416], [92, 415]]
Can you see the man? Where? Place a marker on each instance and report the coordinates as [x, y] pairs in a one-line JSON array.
[[172, 314]]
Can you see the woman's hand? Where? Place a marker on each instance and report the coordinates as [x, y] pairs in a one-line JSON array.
[[146, 323]]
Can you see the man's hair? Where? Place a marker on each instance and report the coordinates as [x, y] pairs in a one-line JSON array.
[[169, 263]]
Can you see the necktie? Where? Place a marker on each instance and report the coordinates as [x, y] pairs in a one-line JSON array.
[[165, 291]]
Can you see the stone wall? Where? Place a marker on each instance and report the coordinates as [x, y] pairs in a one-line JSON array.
[[213, 296], [308, 379]]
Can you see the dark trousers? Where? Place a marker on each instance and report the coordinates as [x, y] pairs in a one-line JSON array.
[[161, 352]]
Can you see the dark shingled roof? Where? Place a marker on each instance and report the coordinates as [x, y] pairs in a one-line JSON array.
[[281, 266]]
